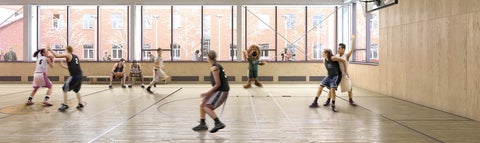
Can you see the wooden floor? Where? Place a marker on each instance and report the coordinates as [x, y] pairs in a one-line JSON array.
[[276, 113]]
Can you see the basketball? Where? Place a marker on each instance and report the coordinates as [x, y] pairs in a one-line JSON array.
[[118, 74]]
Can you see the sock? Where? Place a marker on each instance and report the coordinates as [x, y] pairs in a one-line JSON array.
[[328, 100], [30, 98], [46, 98], [350, 99], [216, 120], [316, 99], [333, 102], [202, 121]]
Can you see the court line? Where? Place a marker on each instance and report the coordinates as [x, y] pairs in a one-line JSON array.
[[133, 116], [254, 113], [288, 117], [395, 121], [14, 93]]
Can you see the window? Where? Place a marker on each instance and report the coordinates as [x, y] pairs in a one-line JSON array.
[[233, 51], [176, 51], [57, 21], [264, 50], [264, 21], [374, 51], [291, 51], [117, 51], [317, 21], [206, 47], [88, 21], [147, 21], [317, 51], [207, 26], [146, 54], [88, 51], [117, 21], [58, 48], [177, 21], [289, 21]]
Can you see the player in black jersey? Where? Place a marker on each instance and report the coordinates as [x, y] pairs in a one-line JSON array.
[[214, 97], [74, 82], [332, 80]]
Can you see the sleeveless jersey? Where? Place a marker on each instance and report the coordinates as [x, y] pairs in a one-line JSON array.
[[42, 65], [223, 78], [74, 66]]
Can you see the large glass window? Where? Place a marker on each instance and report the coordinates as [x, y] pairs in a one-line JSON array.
[[321, 31], [113, 31], [11, 33], [260, 29], [217, 23], [52, 30], [374, 37], [291, 32], [156, 30], [367, 35], [187, 32], [83, 31]]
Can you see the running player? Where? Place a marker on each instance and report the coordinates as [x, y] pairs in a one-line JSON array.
[[40, 78]]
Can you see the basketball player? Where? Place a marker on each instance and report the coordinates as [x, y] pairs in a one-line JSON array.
[[118, 69], [74, 82], [346, 84], [332, 80], [214, 97], [135, 71], [158, 73], [40, 78]]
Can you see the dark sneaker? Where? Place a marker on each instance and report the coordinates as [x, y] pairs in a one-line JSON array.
[[110, 86], [334, 109], [326, 103], [155, 85], [29, 101], [142, 86], [314, 105], [352, 103], [201, 127], [46, 103], [148, 90], [129, 86], [123, 86], [217, 127], [80, 106], [63, 107]]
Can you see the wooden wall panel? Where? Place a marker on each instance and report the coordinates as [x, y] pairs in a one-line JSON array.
[[473, 5], [427, 63], [473, 66]]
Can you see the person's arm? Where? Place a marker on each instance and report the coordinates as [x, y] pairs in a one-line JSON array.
[[157, 65], [343, 61], [113, 68], [216, 76], [50, 62], [62, 64], [352, 40], [244, 55], [66, 56]]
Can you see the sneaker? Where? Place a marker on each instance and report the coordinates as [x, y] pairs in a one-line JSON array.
[[80, 106], [29, 101], [142, 86], [326, 103], [46, 103], [129, 86], [334, 109], [63, 107], [155, 85], [201, 127], [148, 90], [352, 103], [217, 127], [110, 86], [123, 86], [314, 105]]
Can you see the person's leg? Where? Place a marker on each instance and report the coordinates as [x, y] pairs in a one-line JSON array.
[[123, 78], [29, 100], [141, 79], [131, 80], [76, 88], [49, 92], [217, 99], [65, 88], [333, 94], [156, 77], [111, 79], [203, 125]]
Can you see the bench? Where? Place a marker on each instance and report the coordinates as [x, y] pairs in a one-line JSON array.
[[93, 79]]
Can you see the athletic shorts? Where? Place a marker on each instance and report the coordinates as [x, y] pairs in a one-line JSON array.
[[216, 99], [73, 83], [40, 79], [331, 81], [252, 73]]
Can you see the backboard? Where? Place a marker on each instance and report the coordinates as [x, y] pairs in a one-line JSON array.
[[373, 5]]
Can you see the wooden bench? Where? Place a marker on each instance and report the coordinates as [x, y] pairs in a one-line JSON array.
[[93, 79]]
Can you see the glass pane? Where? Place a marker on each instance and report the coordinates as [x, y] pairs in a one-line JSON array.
[[114, 31], [321, 31], [360, 37], [11, 33], [83, 29], [217, 23], [156, 30], [360, 55], [291, 33], [187, 32], [260, 28], [374, 37], [53, 28]]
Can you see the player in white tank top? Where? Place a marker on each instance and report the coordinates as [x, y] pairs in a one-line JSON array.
[[346, 83], [158, 72], [40, 78]]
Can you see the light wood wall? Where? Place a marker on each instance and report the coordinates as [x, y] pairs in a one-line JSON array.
[[429, 54]]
